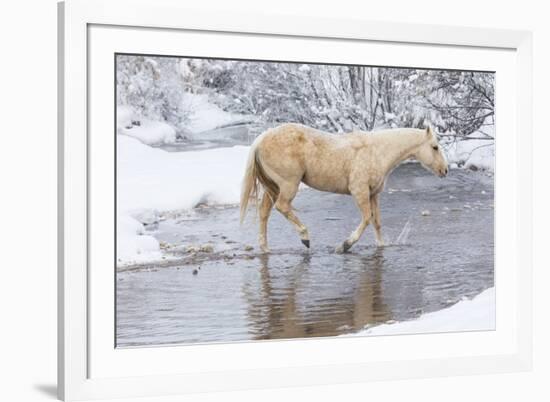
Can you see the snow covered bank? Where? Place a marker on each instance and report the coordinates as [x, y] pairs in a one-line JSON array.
[[203, 117], [147, 131], [477, 314], [151, 179], [477, 152], [207, 116], [133, 245], [472, 154]]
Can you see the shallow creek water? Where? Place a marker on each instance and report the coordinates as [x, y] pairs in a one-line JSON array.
[[230, 292]]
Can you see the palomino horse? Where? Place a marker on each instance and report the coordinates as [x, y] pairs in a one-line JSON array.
[[357, 163]]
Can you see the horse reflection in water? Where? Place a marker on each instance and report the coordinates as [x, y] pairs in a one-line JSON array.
[[298, 306]]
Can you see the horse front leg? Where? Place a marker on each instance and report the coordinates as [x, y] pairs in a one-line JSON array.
[[375, 207], [363, 202]]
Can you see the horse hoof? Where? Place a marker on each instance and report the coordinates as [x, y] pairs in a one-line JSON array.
[[305, 243], [343, 248]]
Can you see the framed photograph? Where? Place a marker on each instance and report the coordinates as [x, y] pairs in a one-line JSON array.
[[257, 201]]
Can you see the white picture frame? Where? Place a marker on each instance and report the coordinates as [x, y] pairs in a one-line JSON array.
[[87, 366]]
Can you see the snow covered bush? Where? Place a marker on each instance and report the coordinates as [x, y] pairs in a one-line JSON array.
[[153, 88]]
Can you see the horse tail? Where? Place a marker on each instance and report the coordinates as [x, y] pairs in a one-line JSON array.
[[249, 187], [255, 175]]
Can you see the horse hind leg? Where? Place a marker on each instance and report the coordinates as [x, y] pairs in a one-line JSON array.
[[265, 210], [363, 202], [283, 205]]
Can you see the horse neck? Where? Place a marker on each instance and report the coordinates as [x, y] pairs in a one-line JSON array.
[[400, 146]]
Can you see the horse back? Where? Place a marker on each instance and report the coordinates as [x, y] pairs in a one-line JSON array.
[[319, 159]]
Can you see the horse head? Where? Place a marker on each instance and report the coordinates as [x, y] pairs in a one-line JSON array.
[[431, 156]]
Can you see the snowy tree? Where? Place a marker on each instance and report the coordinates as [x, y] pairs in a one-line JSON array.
[[336, 98], [464, 100], [344, 98]]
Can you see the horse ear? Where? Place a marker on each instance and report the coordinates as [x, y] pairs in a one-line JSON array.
[[429, 132]]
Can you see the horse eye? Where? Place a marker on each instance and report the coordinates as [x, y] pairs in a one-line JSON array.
[[435, 147]]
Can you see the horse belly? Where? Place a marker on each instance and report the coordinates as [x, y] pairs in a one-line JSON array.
[[330, 181]]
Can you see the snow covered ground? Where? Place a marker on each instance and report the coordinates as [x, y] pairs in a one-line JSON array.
[[477, 314], [151, 178]]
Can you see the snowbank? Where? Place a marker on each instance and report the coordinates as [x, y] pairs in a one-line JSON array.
[[477, 314], [133, 246], [151, 132], [472, 153], [148, 131], [207, 116], [151, 179]]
